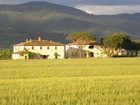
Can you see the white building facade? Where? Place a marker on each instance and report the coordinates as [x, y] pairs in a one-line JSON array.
[[92, 50], [46, 49]]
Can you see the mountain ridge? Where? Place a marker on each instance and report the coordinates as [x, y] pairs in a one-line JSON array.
[[53, 21]]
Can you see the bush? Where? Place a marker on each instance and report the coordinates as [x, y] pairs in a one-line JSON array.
[[5, 54], [33, 55]]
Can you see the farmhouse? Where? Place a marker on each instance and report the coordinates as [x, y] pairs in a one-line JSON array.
[[92, 50], [43, 48]]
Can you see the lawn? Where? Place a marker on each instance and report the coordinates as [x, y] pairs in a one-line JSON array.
[[70, 82]]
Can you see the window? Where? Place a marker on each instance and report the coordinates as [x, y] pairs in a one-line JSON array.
[[48, 47], [32, 47], [91, 47], [40, 47], [55, 47], [101, 46]]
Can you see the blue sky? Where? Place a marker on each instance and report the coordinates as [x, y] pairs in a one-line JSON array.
[[93, 6]]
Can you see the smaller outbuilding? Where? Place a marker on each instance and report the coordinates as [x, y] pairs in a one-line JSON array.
[[20, 55], [91, 50]]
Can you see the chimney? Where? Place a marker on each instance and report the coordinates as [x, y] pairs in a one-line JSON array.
[[30, 40], [39, 38], [26, 40]]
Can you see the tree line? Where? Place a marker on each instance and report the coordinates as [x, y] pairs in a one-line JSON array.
[[5, 54], [112, 43]]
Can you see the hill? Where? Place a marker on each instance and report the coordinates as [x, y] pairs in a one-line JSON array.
[[53, 21]]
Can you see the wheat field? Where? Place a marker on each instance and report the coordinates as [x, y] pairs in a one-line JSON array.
[[108, 81]]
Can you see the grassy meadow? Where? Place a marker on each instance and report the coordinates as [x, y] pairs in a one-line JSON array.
[[70, 82]]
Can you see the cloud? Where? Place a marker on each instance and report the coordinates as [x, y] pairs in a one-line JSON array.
[[11, 1], [79, 2], [108, 2], [93, 6], [109, 10]]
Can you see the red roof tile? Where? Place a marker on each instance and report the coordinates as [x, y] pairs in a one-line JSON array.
[[39, 43], [92, 43], [21, 52]]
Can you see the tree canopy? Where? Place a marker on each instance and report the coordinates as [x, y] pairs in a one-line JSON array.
[[115, 40], [81, 38]]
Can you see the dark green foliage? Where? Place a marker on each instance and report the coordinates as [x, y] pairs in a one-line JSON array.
[[33, 55], [5, 54], [138, 44], [56, 55], [132, 48], [81, 37], [115, 40]]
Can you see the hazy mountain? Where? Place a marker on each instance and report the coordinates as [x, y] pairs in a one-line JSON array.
[[54, 22]]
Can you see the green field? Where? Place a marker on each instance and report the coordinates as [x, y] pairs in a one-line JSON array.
[[70, 82]]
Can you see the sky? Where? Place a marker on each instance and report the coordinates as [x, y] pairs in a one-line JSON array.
[[97, 7]]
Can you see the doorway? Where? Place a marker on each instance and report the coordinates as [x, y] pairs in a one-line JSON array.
[[26, 57], [44, 56], [91, 54]]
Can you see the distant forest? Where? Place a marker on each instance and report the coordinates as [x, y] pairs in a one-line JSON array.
[[55, 22]]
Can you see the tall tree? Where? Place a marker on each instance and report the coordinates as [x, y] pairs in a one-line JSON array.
[[138, 47], [115, 41], [132, 48], [81, 39]]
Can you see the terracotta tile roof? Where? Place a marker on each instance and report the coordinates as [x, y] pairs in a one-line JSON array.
[[21, 52], [39, 43], [96, 43], [92, 43]]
